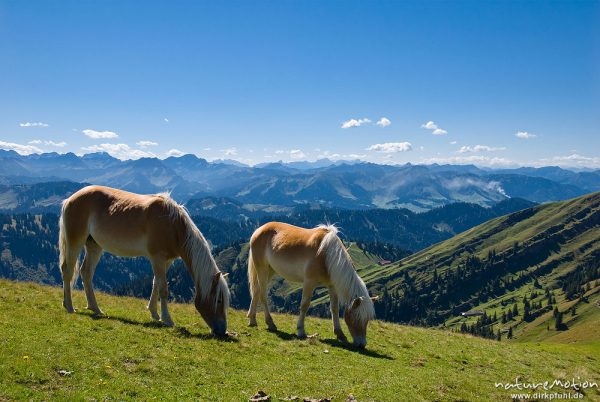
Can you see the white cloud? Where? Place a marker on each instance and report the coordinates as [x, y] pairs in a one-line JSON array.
[[120, 151], [35, 124], [355, 123], [99, 134], [452, 142], [335, 156], [472, 159], [230, 151], [328, 155], [573, 160], [166, 120], [354, 156], [175, 152], [20, 148], [56, 144], [479, 148], [391, 147], [436, 130], [48, 143], [524, 135], [146, 144], [384, 122], [429, 125], [292, 154], [297, 154]]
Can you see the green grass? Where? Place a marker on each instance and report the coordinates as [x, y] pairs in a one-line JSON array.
[[126, 356]]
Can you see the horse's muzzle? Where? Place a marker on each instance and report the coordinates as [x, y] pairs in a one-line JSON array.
[[220, 328], [360, 342]]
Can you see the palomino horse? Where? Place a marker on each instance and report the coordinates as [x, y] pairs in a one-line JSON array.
[[313, 257], [155, 226]]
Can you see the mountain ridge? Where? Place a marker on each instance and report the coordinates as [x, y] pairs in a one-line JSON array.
[[346, 184]]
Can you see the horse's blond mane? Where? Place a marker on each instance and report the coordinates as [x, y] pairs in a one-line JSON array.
[[344, 278], [203, 265]]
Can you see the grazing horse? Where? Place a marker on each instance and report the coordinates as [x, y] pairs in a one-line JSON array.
[[154, 226], [314, 257]]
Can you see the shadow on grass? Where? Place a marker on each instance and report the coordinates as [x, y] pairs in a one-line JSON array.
[[283, 335], [181, 332], [336, 344], [348, 346]]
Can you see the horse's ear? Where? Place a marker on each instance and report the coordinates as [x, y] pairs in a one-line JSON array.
[[356, 302], [224, 274], [374, 298]]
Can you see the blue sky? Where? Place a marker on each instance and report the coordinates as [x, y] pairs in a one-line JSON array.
[[263, 81]]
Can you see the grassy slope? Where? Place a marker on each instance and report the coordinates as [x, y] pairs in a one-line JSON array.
[[126, 356], [500, 236]]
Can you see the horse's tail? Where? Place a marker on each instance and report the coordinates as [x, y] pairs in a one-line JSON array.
[[252, 274], [67, 270]]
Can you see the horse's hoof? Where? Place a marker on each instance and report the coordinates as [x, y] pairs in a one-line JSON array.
[[155, 316], [272, 328], [340, 336], [95, 310], [70, 310], [168, 323], [301, 335], [252, 323]]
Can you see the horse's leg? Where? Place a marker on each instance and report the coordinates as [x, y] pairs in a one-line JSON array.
[[153, 303], [160, 267], [93, 252], [307, 291], [252, 311], [335, 314], [264, 278], [68, 268], [254, 290]]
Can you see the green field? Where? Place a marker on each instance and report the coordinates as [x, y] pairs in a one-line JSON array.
[[126, 356]]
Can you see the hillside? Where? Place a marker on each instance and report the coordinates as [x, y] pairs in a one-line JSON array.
[[545, 257], [401, 227], [125, 356]]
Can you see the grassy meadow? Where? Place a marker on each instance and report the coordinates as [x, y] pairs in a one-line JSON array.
[[47, 354]]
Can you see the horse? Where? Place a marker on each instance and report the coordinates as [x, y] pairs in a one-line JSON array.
[[313, 257], [125, 224]]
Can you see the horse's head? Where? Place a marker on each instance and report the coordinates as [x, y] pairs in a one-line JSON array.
[[213, 307], [357, 316]]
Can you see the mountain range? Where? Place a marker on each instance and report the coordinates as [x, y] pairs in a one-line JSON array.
[[280, 186]]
